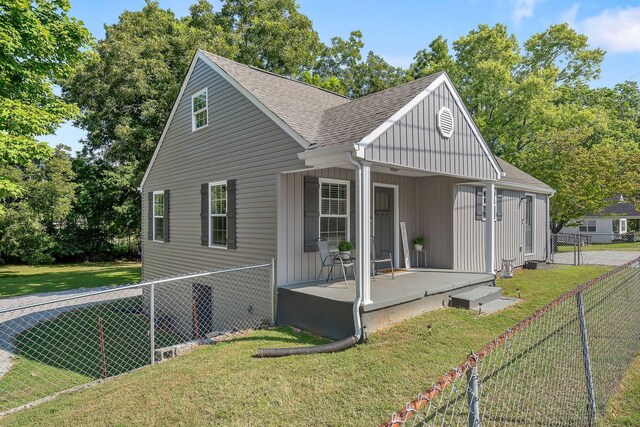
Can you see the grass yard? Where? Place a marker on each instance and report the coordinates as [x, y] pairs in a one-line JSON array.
[[630, 246], [127, 347], [624, 410], [224, 385], [22, 280]]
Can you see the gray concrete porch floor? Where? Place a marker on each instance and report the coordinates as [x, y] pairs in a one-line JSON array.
[[408, 285], [326, 308]]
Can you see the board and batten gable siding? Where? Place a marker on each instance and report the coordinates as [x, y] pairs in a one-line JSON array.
[[241, 143], [469, 233], [297, 266], [414, 141]]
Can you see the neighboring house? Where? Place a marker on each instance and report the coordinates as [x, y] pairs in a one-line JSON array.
[[253, 166], [616, 222]]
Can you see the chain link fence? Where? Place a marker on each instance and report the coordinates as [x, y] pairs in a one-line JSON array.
[[594, 248], [53, 346], [559, 366]]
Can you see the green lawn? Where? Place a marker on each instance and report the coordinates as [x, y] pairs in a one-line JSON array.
[[624, 409], [225, 385], [21, 280], [635, 246], [64, 352]]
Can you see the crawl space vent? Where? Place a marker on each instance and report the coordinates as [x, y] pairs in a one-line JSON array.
[[445, 122]]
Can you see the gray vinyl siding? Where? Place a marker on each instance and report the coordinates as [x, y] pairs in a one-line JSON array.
[[240, 142], [414, 141], [469, 233], [296, 266], [434, 198]]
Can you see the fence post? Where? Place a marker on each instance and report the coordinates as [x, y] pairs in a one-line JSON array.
[[579, 245], [473, 397], [591, 403], [274, 293], [152, 323]]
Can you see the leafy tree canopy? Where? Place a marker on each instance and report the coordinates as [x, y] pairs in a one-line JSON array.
[[39, 45]]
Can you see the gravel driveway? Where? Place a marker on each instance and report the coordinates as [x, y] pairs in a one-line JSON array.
[[597, 257], [13, 322]]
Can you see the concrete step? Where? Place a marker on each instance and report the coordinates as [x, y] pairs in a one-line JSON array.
[[497, 305], [473, 298]]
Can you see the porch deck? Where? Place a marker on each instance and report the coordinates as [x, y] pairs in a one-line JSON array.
[[326, 308]]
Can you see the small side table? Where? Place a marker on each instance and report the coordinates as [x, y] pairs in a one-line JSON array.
[[418, 255]]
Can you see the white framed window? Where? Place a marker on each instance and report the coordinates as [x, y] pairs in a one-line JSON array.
[[588, 226], [334, 210], [529, 224], [218, 231], [158, 216], [199, 110], [619, 226]]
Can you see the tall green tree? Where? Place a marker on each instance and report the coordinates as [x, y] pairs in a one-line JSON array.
[[29, 227], [39, 45]]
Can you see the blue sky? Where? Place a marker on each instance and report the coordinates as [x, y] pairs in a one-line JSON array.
[[398, 29]]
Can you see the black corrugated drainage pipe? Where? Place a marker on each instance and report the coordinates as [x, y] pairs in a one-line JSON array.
[[357, 321], [324, 348]]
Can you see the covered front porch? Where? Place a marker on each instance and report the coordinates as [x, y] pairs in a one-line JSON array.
[[326, 308]]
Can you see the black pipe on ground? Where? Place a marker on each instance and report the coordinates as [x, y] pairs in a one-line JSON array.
[[315, 349]]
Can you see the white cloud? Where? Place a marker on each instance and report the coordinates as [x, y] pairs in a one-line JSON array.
[[615, 30], [523, 9], [569, 15]]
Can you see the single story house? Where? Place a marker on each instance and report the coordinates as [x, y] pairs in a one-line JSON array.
[[253, 166], [613, 223]]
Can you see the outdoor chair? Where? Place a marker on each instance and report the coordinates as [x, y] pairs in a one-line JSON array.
[[381, 257], [330, 261]]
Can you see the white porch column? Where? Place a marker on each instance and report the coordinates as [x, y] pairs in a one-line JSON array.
[[490, 230], [364, 232]]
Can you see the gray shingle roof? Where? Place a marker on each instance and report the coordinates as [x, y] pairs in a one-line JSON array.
[[513, 175], [324, 118], [620, 209], [350, 122], [299, 105]]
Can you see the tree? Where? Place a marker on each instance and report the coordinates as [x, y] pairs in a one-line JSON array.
[[39, 45], [534, 107], [31, 222], [271, 34]]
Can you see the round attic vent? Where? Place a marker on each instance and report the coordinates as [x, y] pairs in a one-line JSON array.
[[445, 122]]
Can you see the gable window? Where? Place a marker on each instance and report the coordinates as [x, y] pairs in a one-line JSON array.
[[334, 211], [588, 226], [218, 214], [158, 216], [199, 110]]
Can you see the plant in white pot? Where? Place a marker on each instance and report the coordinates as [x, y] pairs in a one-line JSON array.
[[345, 249], [418, 243]]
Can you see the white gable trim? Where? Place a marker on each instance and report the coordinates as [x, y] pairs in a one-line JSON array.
[[200, 55], [442, 79]]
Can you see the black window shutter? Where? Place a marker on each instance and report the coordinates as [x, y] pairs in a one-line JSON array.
[[311, 212], [479, 200], [150, 217], [204, 214], [166, 216], [499, 204], [231, 214], [352, 212]]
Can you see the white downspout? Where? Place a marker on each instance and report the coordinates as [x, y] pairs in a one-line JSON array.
[[549, 237], [357, 321], [490, 229]]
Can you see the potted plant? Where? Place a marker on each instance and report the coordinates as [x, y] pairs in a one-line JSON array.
[[418, 242], [345, 249]]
